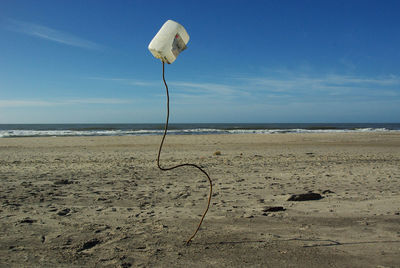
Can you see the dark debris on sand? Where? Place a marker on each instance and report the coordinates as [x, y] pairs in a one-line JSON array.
[[305, 197]]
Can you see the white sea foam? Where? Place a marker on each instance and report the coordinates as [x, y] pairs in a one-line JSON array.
[[193, 131]]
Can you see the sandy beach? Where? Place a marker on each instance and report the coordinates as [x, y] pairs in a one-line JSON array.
[[102, 201]]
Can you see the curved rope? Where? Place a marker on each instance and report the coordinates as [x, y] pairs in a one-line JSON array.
[[181, 165]]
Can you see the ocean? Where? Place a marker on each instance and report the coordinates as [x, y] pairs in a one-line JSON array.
[[58, 130]]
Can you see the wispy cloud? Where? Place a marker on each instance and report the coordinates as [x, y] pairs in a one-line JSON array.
[[22, 103], [328, 87], [97, 101], [183, 87], [132, 82], [220, 89], [321, 82], [50, 34], [279, 88], [41, 103]]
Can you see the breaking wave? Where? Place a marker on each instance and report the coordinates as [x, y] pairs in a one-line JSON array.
[[8, 133]]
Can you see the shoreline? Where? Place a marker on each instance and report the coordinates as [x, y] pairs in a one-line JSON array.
[[50, 130]]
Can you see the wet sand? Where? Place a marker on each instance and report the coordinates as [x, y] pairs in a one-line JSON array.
[[101, 201]]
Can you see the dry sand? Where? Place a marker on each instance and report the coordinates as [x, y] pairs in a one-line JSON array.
[[101, 201]]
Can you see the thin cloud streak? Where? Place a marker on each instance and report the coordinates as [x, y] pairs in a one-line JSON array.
[[221, 89], [187, 87], [282, 88], [328, 85], [50, 34], [24, 103], [47, 103], [126, 81], [323, 82]]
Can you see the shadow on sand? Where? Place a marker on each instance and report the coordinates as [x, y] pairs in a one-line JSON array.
[[318, 242]]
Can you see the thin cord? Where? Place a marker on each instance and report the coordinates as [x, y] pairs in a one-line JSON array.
[[181, 165]]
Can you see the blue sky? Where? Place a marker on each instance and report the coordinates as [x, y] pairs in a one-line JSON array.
[[247, 61]]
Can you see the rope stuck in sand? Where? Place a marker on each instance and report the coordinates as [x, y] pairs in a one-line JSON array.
[[181, 165]]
